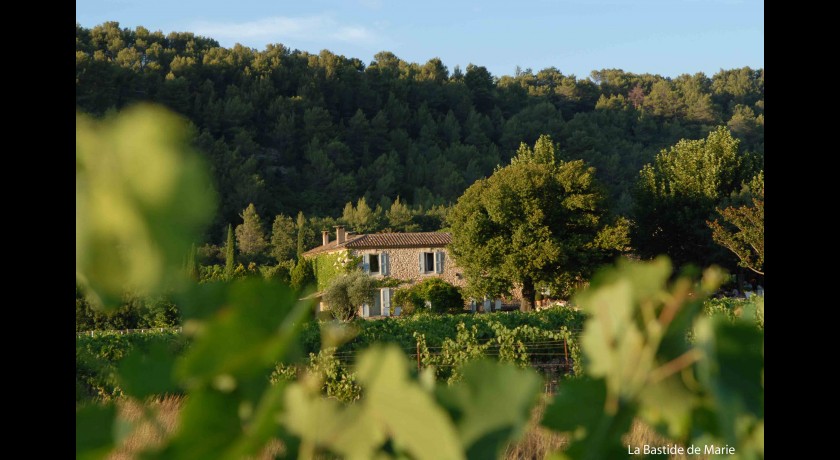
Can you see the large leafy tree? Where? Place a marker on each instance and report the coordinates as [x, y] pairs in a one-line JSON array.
[[537, 220], [742, 229], [679, 191]]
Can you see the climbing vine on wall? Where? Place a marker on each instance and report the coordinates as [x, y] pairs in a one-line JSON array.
[[328, 266]]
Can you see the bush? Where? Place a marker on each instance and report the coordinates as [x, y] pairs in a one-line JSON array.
[[444, 297], [409, 300], [346, 293], [209, 254], [280, 272]]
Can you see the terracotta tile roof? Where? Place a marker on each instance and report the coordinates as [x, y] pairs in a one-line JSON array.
[[386, 240]]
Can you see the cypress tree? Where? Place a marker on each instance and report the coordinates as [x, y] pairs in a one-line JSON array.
[[301, 225], [230, 254]]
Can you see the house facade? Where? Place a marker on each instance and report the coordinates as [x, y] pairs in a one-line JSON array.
[[407, 257]]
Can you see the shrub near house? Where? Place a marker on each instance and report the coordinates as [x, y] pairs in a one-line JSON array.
[[432, 294], [390, 258]]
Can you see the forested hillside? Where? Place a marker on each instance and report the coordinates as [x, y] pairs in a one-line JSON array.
[[291, 131]]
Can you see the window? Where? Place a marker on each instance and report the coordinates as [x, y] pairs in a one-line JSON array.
[[376, 264], [429, 262]]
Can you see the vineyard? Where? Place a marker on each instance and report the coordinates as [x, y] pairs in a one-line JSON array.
[[547, 341]]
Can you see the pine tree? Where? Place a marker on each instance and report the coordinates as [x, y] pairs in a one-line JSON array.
[[399, 217], [230, 254], [250, 237]]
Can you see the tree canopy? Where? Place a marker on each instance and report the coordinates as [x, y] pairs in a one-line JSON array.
[[537, 220], [292, 131], [742, 228], [679, 191]]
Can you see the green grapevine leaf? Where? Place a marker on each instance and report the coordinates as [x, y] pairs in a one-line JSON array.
[[142, 198], [145, 373], [94, 431], [409, 413], [486, 422]]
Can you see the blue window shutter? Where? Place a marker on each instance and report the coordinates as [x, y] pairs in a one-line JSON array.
[[422, 263], [439, 261], [384, 264], [366, 263]]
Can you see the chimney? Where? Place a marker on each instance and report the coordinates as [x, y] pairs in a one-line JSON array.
[[325, 236], [339, 234]]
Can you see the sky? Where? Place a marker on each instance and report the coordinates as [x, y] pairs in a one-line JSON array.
[[666, 37]]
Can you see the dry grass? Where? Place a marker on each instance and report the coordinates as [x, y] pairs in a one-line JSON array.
[[146, 434], [536, 443]]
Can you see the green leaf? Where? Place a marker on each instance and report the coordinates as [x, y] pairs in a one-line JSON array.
[[646, 279], [409, 413], [94, 431], [668, 406], [229, 413], [577, 403], [350, 431], [209, 424], [733, 371], [263, 425], [250, 332], [142, 198], [145, 373], [486, 422], [602, 440]]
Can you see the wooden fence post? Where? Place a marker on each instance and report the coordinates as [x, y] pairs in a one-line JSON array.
[[565, 357], [417, 344]]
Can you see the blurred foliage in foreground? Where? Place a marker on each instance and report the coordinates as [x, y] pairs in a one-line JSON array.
[[639, 362], [142, 198]]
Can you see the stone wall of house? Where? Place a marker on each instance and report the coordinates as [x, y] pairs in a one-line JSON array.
[[405, 265]]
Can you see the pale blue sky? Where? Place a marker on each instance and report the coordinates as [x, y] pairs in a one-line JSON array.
[[668, 37]]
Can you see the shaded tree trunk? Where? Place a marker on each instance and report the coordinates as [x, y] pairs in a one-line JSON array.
[[528, 294]]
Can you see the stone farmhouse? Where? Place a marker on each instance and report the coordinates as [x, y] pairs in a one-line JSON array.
[[410, 257]]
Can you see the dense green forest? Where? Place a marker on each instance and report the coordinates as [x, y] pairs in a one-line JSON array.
[[292, 131]]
